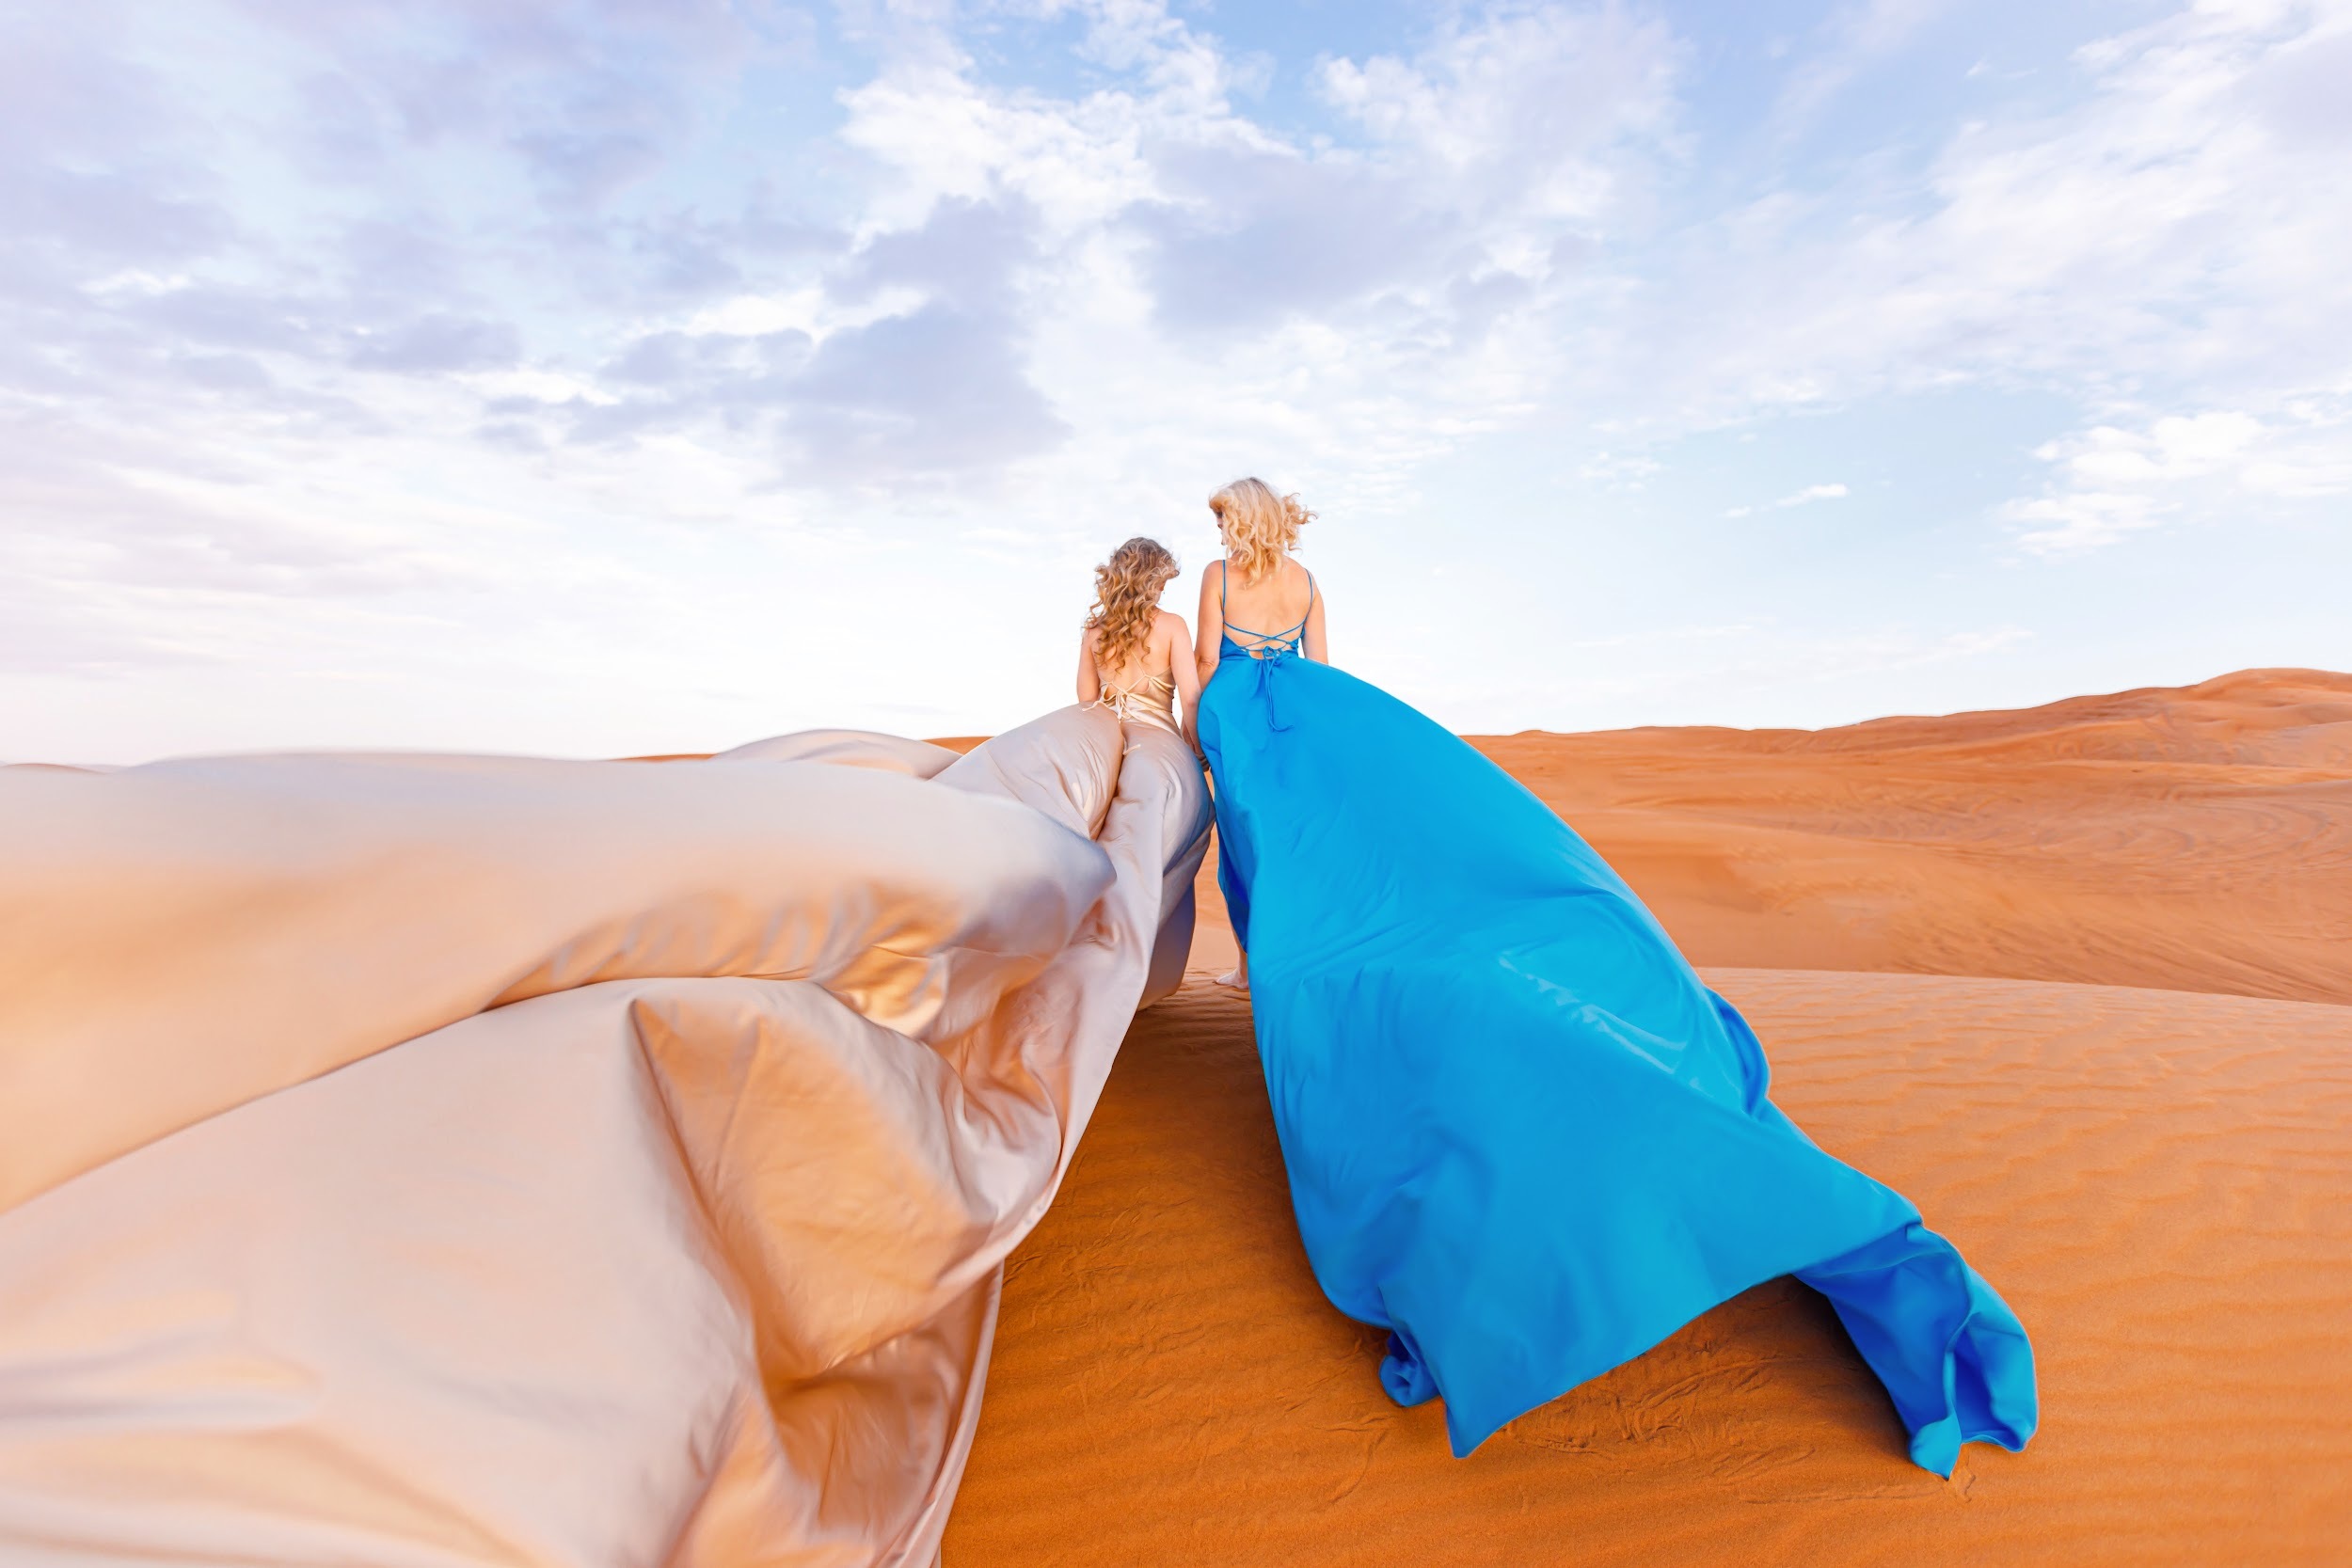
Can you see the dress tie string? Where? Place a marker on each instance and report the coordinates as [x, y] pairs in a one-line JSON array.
[[1268, 658]]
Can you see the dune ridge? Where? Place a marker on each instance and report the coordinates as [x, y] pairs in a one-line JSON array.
[[1973, 946], [2196, 838]]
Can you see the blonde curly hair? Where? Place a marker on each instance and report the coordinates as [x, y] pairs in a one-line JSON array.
[[1127, 590], [1260, 526]]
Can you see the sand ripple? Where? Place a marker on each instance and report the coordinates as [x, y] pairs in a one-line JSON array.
[[2160, 1183]]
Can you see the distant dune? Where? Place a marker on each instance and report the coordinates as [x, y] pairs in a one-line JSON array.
[[2196, 839], [2161, 1183]]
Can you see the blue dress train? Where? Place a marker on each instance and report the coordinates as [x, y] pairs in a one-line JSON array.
[[1521, 1134]]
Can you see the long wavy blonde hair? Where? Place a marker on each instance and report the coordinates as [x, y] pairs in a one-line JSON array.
[[1260, 526], [1127, 590]]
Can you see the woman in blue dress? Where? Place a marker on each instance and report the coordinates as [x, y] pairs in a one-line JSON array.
[[1521, 1135]]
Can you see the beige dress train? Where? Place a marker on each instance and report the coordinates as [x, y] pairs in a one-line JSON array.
[[434, 1161]]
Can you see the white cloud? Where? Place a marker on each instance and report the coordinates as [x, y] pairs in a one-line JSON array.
[[2114, 480], [1800, 497], [436, 313], [808, 310], [541, 385], [138, 280], [2076, 521], [1202, 285], [2180, 224], [1526, 106]]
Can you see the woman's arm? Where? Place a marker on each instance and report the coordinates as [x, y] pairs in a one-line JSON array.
[[1187, 673], [1317, 649], [1212, 622], [1089, 684]]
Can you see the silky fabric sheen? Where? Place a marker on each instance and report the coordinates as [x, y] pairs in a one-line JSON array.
[[462, 1161], [1521, 1134], [888, 753]]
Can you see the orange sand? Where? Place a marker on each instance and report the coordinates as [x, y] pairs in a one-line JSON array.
[[2160, 1183]]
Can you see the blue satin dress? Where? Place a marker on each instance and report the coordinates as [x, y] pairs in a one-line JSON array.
[[1522, 1136]]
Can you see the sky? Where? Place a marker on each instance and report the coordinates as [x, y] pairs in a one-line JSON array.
[[655, 376]]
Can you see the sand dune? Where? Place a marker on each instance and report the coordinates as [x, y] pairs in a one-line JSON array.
[[2158, 1183], [2197, 839], [2161, 1183]]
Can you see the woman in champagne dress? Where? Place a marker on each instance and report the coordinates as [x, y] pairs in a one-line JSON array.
[[1135, 658], [1521, 1134]]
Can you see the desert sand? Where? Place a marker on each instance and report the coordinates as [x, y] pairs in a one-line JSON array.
[[2075, 978]]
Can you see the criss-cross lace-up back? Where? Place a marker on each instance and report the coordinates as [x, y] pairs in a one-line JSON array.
[[1262, 644]]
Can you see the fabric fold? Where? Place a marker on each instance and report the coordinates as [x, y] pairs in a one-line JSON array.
[[1521, 1135], [433, 1160]]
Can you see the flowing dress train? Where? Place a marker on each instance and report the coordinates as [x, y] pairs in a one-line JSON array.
[[457, 1162], [1521, 1134]]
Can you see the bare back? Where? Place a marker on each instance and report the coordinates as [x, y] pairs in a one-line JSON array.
[[1146, 685], [1275, 605], [1280, 611]]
